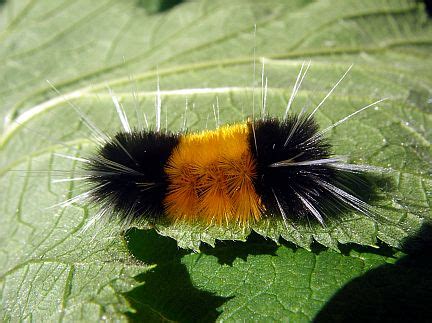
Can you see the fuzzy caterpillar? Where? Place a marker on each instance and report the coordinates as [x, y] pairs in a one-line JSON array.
[[238, 173]]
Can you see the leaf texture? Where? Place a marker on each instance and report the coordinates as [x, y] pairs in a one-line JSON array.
[[51, 268]]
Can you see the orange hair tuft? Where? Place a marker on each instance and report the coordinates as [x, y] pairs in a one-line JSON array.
[[211, 175]]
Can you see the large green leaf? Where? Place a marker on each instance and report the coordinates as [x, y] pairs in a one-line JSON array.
[[202, 52], [259, 281]]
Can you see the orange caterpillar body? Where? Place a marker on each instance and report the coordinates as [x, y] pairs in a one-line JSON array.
[[211, 177]]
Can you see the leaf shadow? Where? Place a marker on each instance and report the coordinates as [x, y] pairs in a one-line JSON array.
[[167, 292], [391, 292], [428, 7], [227, 251], [157, 6]]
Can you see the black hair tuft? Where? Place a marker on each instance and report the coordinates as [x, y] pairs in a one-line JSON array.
[[127, 174], [297, 187]]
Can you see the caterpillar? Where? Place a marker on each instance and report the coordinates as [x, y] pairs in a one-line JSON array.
[[238, 173]]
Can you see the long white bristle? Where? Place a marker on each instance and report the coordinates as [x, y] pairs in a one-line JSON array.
[[158, 105], [296, 87], [120, 111], [330, 92]]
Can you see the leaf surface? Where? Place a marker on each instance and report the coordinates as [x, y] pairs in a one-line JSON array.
[[202, 52]]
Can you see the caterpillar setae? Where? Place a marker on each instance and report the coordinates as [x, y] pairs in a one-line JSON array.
[[238, 173]]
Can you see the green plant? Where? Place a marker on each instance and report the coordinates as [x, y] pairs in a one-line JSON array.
[[51, 270]]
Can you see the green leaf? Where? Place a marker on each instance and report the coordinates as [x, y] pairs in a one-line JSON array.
[[260, 281], [53, 269]]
